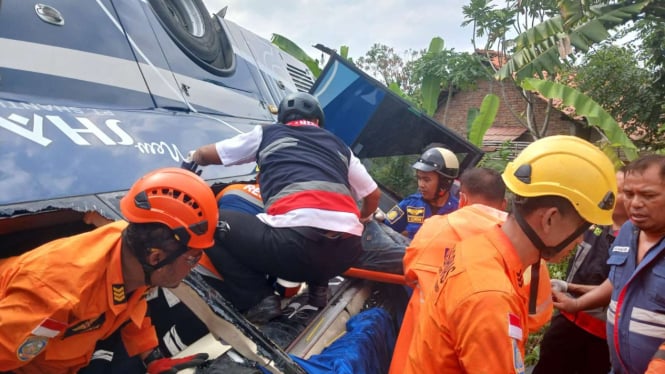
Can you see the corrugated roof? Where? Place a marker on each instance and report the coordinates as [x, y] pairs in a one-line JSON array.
[[503, 133]]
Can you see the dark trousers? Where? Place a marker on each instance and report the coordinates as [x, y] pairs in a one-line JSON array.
[[568, 349], [251, 250]]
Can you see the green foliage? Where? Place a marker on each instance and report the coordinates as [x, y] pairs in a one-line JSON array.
[[484, 119], [460, 70], [388, 66], [291, 48], [395, 173], [538, 49], [498, 159], [431, 84], [585, 106], [630, 97]]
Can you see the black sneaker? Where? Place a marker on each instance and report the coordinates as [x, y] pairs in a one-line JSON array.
[[318, 295], [268, 309]]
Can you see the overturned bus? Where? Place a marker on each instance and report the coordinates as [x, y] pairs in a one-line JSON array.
[[95, 94]]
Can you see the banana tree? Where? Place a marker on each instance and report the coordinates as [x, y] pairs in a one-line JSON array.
[[542, 48], [585, 106]]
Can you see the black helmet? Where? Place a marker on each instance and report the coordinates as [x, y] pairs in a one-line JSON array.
[[440, 160], [299, 105]]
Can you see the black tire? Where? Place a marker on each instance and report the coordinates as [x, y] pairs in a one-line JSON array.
[[194, 31]]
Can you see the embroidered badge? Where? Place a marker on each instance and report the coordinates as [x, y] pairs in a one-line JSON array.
[[514, 326], [620, 249], [394, 214], [85, 326], [31, 347], [118, 294], [446, 268], [518, 362], [415, 214], [49, 328], [597, 230]]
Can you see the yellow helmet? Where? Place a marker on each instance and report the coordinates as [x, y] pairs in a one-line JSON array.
[[569, 167]]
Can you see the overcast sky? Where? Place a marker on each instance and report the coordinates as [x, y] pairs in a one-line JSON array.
[[358, 24]]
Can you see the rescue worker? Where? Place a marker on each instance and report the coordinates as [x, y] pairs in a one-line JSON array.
[[482, 206], [635, 317], [436, 170], [177, 327], [310, 181], [577, 342], [58, 300], [475, 319]]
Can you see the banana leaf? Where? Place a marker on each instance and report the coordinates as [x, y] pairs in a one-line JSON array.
[[587, 107]]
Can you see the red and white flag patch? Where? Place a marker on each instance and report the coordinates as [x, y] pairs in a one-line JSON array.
[[514, 326], [49, 328]]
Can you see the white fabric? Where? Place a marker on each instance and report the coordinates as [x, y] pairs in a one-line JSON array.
[[240, 149]]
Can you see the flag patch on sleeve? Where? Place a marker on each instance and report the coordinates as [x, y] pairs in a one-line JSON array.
[[49, 328], [514, 326]]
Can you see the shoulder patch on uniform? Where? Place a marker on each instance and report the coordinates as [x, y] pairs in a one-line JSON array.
[[415, 214], [49, 328], [85, 326], [118, 291], [514, 326], [31, 347], [518, 362], [394, 214], [620, 249]]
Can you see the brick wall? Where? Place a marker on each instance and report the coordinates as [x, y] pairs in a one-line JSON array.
[[462, 101]]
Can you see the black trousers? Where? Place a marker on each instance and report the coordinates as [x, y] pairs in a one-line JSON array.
[[567, 349], [251, 250]]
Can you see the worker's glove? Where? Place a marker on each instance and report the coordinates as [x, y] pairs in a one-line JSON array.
[[379, 215], [222, 229], [189, 164], [173, 365], [559, 285]]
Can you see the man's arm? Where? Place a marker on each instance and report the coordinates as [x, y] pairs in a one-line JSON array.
[[206, 155], [580, 289], [599, 296], [489, 333], [369, 205]]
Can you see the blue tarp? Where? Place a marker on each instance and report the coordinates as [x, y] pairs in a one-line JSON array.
[[366, 348]]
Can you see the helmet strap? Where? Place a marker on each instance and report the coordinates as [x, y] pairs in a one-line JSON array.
[[546, 252], [149, 269], [533, 288], [444, 184], [182, 237]]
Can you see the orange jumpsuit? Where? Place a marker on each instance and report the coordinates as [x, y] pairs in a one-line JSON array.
[[475, 318], [657, 364], [424, 257], [59, 299]]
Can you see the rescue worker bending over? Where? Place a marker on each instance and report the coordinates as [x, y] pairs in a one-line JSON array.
[[436, 169], [58, 300], [310, 181], [475, 320]]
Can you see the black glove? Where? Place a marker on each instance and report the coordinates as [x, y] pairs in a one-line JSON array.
[[190, 164], [173, 365], [222, 228]]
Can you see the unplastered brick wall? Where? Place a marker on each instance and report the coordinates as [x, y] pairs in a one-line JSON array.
[[462, 101]]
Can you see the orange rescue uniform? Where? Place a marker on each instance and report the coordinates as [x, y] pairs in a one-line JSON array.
[[424, 257], [657, 364], [475, 317], [59, 299]]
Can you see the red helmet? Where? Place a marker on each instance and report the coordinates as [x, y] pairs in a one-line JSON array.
[[177, 198]]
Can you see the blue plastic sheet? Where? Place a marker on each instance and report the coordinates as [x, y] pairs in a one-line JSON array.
[[366, 348]]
